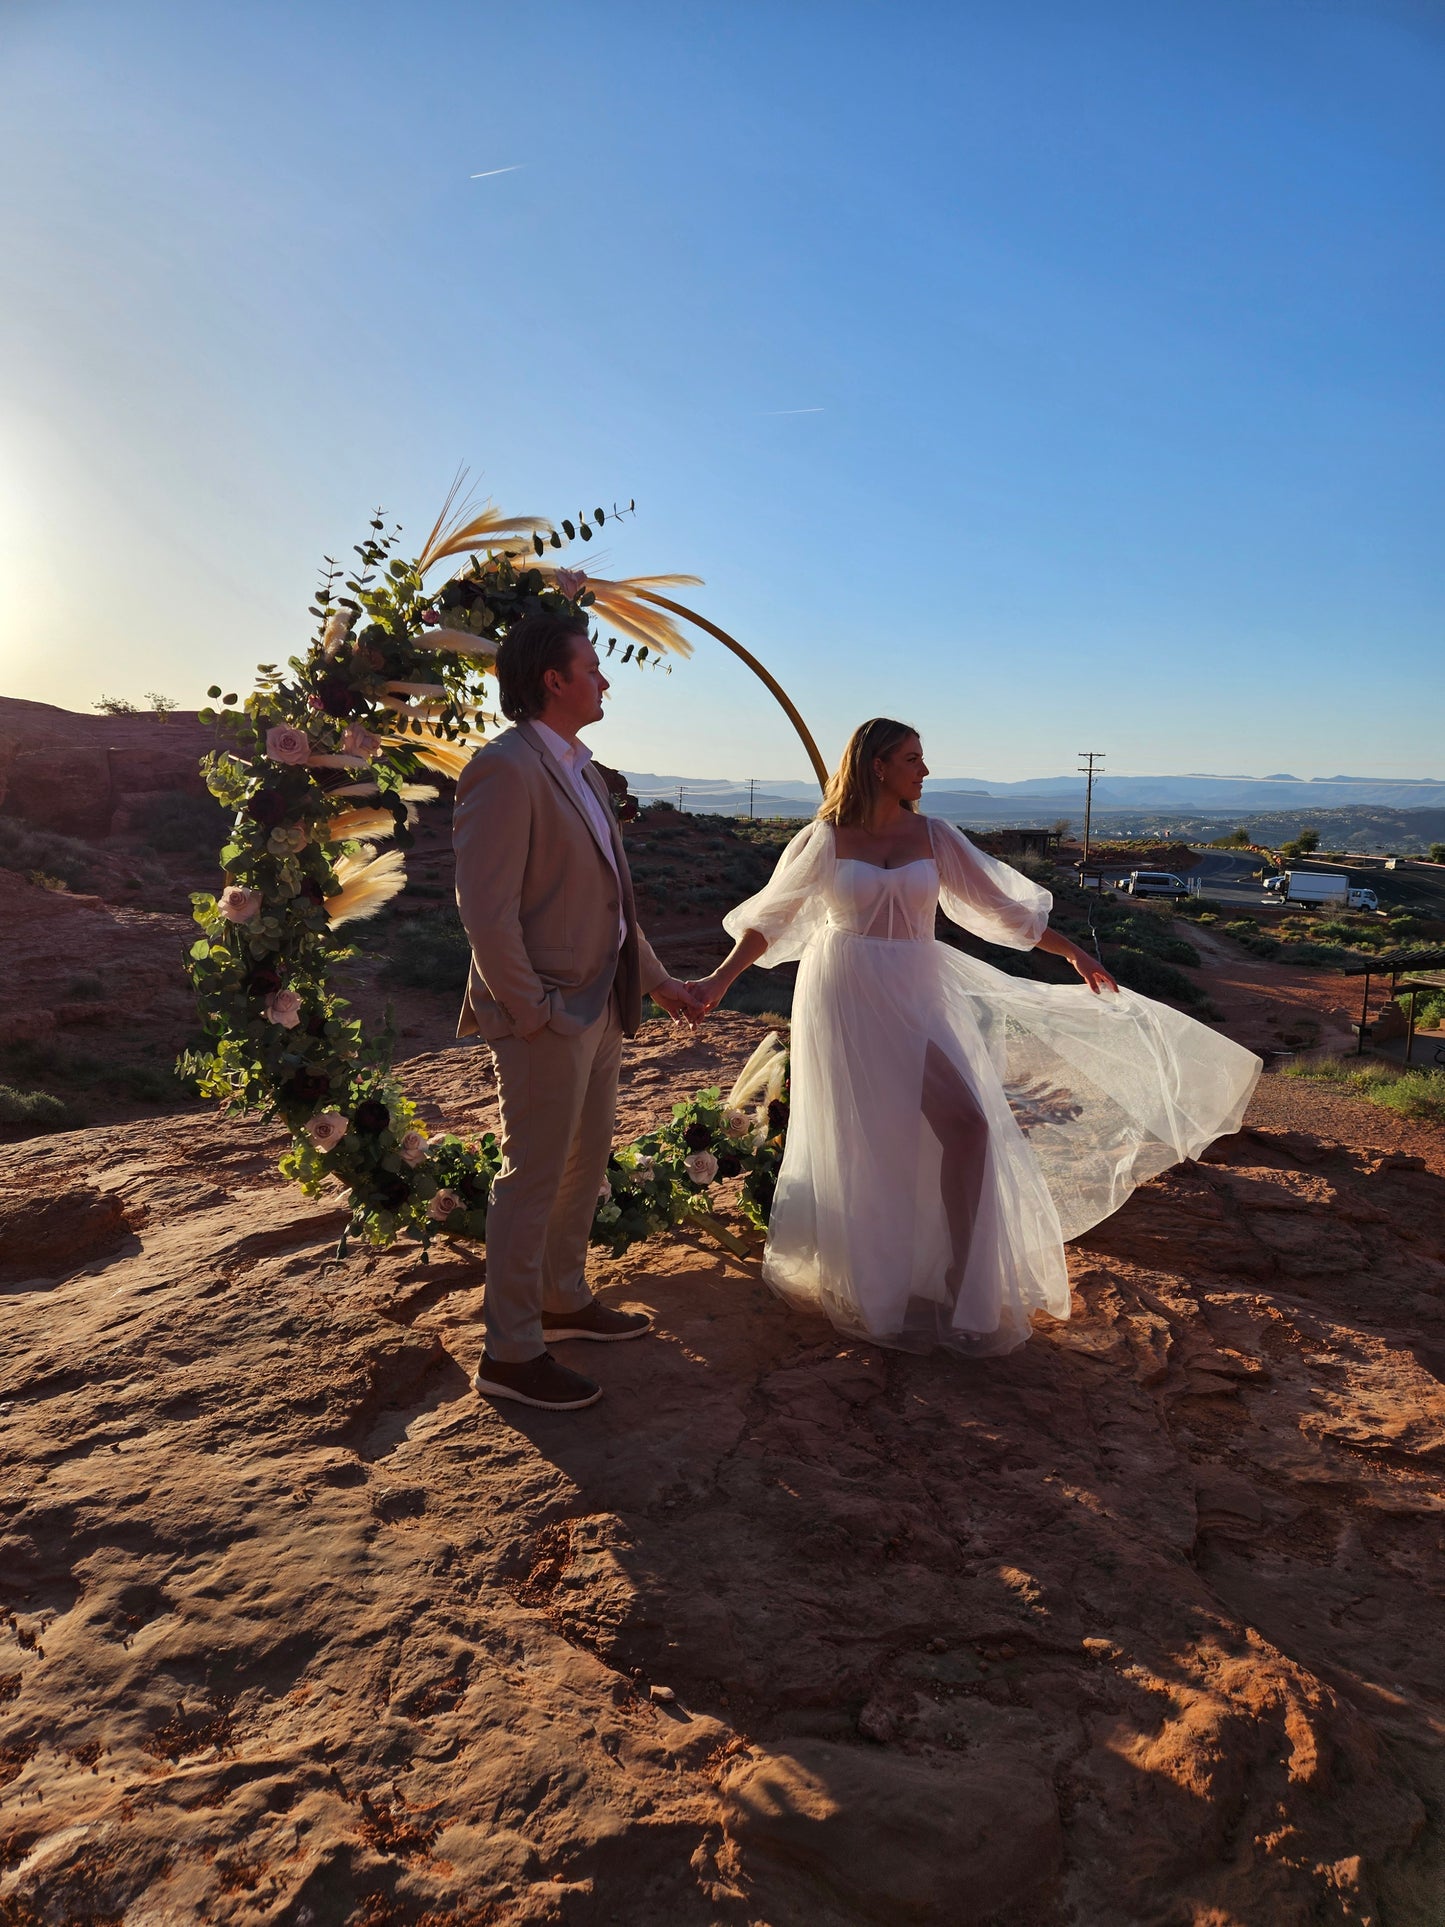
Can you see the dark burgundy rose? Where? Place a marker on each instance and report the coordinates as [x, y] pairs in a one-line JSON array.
[[697, 1137], [777, 1117], [262, 979], [311, 890], [728, 1165], [270, 809], [371, 1115], [391, 1189], [306, 1087], [337, 696], [316, 1024]]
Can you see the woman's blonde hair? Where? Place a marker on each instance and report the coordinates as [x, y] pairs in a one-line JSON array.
[[853, 789]]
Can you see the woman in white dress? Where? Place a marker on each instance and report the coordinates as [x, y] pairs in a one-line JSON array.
[[951, 1126]]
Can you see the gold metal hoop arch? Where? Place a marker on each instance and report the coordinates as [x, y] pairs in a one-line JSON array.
[[820, 768]]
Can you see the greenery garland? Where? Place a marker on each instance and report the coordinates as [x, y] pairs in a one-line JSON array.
[[323, 763]]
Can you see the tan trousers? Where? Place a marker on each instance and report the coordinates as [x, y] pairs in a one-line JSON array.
[[558, 1099]]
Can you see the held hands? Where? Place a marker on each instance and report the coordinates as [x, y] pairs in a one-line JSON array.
[[679, 1001], [709, 992]]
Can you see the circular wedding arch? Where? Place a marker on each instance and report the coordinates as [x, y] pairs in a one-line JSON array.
[[330, 756]]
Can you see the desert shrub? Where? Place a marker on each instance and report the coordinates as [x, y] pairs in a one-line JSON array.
[[1416, 1094], [763, 994], [1247, 933], [174, 822], [1333, 954], [24, 848], [37, 1109], [1201, 907], [429, 952], [1152, 977]]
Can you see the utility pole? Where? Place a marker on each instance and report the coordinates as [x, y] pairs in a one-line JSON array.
[[1088, 771], [752, 785], [680, 789]]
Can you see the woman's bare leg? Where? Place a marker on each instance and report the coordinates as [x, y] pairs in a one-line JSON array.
[[952, 1113]]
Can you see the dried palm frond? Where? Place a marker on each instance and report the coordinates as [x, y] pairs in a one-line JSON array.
[[338, 761], [418, 793], [619, 604], [367, 884], [447, 758], [489, 529], [458, 641], [347, 824], [763, 1073]]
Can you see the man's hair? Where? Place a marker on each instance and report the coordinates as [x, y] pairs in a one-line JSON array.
[[541, 641]]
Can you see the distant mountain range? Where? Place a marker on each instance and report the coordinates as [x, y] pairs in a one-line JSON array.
[[988, 801]]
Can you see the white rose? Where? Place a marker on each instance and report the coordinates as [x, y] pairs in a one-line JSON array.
[[412, 1148], [701, 1167], [737, 1122], [327, 1128], [443, 1205], [604, 1190]]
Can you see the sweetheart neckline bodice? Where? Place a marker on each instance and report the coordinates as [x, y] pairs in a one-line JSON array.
[[888, 869]]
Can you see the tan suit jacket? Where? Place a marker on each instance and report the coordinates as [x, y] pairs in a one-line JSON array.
[[539, 900]]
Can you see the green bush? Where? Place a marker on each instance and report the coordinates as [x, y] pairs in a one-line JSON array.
[[1333, 954], [1152, 977], [429, 952], [37, 1109], [24, 848], [1416, 1094], [173, 822]]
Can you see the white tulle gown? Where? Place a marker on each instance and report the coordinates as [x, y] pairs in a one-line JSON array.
[[952, 1126]]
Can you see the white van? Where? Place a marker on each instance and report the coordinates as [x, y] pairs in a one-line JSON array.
[[1155, 883]]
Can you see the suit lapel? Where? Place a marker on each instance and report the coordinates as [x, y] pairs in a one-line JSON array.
[[563, 781]]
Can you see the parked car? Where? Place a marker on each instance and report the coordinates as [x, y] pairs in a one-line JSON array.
[[1155, 883], [1326, 887]]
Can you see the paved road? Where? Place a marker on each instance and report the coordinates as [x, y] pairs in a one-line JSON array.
[[1228, 877]]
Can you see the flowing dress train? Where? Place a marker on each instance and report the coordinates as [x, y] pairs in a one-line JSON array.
[[952, 1126]]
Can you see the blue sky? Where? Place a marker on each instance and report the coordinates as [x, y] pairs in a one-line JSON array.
[[1120, 329]]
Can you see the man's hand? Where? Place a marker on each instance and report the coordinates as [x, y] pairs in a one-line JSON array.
[[678, 1001]]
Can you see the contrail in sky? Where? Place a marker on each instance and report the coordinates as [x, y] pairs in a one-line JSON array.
[[499, 170], [794, 411]]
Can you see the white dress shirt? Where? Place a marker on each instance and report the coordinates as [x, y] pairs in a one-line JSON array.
[[574, 758]]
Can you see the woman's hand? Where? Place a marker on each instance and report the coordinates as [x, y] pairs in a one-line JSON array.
[[708, 992], [1093, 973]]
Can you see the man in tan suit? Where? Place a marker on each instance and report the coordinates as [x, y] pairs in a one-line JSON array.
[[559, 971]]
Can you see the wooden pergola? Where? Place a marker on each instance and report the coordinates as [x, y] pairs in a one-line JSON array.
[[1394, 964]]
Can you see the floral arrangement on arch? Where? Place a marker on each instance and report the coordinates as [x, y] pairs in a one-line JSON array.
[[327, 760]]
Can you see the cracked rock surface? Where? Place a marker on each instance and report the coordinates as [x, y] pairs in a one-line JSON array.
[[1139, 1625]]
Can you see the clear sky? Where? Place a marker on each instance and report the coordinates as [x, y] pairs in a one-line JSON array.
[[1055, 376]]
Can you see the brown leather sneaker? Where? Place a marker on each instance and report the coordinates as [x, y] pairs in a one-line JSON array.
[[596, 1321], [537, 1381]]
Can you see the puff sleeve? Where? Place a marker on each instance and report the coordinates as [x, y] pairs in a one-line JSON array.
[[985, 897], [792, 906]]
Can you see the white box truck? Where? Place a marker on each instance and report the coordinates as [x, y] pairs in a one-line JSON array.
[[1321, 887]]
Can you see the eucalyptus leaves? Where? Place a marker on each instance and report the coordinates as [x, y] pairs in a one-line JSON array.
[[322, 762]]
